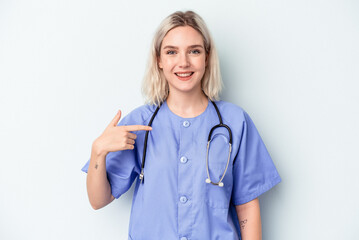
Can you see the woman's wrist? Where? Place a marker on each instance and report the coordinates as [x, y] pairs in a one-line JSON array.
[[97, 149]]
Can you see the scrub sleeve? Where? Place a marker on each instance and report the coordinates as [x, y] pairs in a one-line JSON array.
[[121, 166], [253, 171]]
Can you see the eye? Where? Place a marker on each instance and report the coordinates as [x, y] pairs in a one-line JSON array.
[[195, 51], [171, 52]]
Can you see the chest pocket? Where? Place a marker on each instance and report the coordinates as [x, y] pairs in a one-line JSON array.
[[219, 197]]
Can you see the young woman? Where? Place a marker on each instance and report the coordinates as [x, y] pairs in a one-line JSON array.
[[201, 166]]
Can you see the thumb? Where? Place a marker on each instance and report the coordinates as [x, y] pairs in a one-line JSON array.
[[115, 120]]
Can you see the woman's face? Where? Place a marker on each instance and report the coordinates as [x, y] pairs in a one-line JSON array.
[[183, 59]]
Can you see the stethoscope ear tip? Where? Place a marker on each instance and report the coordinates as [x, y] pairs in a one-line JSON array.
[[220, 184]]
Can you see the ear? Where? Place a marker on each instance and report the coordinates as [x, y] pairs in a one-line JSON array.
[[159, 62], [207, 59]]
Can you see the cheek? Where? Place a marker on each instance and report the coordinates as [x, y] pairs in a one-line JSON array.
[[201, 64], [167, 65], [200, 61]]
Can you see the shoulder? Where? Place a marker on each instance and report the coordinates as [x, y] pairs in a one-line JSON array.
[[231, 112], [139, 116]]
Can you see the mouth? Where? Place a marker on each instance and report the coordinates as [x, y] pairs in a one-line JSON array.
[[184, 75]]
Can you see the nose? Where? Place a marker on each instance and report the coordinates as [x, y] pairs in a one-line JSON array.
[[183, 60]]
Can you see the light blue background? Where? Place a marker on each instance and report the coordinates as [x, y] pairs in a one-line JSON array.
[[66, 67]]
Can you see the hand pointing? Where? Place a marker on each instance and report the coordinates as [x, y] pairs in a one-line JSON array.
[[116, 138]]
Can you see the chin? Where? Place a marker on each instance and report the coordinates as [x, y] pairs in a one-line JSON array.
[[187, 89], [185, 86]]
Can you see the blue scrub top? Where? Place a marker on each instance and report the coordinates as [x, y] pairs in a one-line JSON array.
[[175, 202]]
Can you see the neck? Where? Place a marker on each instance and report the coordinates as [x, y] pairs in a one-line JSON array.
[[187, 105]]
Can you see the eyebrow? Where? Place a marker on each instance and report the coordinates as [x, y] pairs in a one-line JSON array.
[[174, 47]]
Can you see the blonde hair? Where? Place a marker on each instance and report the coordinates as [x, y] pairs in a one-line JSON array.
[[155, 87]]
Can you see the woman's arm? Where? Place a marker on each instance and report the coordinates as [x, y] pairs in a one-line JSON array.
[[98, 187], [114, 138], [249, 217]]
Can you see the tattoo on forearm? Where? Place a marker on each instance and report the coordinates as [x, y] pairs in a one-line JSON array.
[[243, 223], [96, 166]]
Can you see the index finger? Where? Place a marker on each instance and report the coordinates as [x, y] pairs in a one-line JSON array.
[[115, 120], [137, 128]]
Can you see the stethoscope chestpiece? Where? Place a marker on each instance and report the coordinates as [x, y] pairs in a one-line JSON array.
[[141, 176]]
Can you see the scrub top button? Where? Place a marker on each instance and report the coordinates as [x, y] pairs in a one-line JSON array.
[[183, 238], [186, 124], [183, 199], [183, 159]]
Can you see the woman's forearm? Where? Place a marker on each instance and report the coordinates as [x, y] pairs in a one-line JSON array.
[[250, 220], [98, 187]]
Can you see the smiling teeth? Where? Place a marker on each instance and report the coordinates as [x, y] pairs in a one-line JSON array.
[[183, 74]]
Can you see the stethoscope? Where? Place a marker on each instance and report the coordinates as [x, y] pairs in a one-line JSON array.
[[221, 124]]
